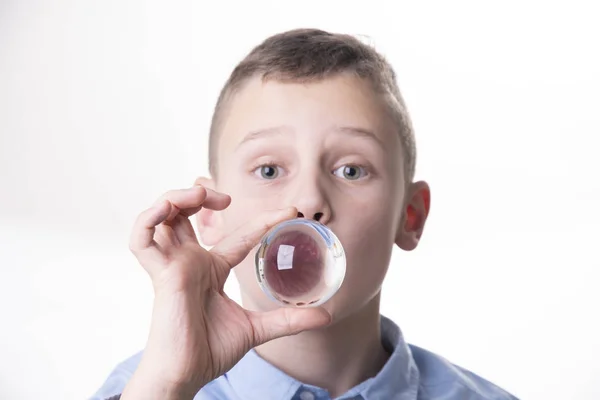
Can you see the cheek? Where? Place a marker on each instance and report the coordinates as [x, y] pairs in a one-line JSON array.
[[368, 239], [375, 204]]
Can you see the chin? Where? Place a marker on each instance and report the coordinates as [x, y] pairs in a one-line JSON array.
[[347, 303]]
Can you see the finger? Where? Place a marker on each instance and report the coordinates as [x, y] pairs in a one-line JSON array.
[[183, 230], [142, 234], [214, 200], [165, 235], [182, 199], [234, 248], [189, 201], [286, 321]]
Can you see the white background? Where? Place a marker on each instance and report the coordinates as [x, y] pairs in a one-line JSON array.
[[104, 105]]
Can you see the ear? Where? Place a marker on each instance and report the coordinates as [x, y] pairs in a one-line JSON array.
[[208, 222], [416, 210]]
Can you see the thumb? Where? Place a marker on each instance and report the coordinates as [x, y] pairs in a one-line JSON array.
[[287, 321]]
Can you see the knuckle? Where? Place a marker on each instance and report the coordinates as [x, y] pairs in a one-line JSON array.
[[199, 195], [132, 247], [166, 195], [246, 242], [141, 219]]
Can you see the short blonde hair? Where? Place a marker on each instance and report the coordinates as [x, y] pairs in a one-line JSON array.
[[305, 55]]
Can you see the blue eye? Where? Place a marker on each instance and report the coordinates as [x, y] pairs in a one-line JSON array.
[[267, 171], [350, 172]]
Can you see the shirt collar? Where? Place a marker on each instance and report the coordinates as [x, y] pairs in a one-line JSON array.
[[399, 377], [253, 378]]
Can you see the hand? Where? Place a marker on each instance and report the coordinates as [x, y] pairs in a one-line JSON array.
[[197, 333]]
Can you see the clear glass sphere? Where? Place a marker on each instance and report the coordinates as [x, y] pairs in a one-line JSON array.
[[300, 263]]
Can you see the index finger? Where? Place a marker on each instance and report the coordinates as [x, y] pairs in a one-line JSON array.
[[142, 234], [234, 248], [189, 201], [213, 200]]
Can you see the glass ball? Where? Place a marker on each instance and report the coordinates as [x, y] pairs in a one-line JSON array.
[[300, 263]]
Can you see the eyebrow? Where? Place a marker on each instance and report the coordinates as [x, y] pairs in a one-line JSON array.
[[262, 133], [360, 132], [280, 130]]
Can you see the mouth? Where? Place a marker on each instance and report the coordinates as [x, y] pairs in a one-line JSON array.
[[294, 264]]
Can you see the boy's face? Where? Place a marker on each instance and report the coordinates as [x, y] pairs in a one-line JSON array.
[[330, 149]]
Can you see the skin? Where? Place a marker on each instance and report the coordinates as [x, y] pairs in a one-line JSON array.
[[333, 154]]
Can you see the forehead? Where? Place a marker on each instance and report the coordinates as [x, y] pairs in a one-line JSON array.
[[310, 109]]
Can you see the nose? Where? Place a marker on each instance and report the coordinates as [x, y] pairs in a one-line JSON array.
[[312, 202], [316, 217]]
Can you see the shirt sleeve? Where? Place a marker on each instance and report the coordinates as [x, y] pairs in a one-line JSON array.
[[114, 385]]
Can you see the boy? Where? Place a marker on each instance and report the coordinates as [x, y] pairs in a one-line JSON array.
[[310, 124]]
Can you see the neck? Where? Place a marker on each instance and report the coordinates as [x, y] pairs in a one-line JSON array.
[[336, 358]]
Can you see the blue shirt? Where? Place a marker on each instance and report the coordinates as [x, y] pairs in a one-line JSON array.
[[411, 373]]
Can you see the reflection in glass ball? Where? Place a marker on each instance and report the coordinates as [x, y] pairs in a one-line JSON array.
[[300, 263]]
